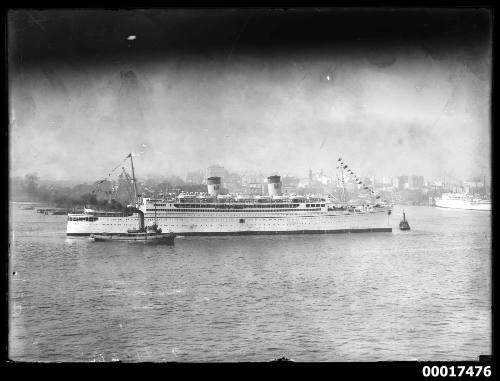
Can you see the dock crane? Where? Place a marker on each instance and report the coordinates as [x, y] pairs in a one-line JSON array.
[[110, 193], [97, 189], [130, 180]]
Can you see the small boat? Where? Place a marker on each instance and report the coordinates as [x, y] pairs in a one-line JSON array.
[[404, 225]]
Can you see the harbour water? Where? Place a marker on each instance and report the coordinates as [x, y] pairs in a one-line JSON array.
[[420, 294]]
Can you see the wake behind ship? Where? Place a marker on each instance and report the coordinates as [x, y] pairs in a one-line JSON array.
[[214, 214]]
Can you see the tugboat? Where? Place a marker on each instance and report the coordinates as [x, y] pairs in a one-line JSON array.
[[150, 234], [404, 225], [143, 234]]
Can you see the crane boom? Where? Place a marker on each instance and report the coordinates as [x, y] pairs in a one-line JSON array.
[[133, 177], [128, 179]]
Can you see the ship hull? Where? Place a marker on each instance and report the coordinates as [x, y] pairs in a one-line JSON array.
[[220, 225], [157, 238], [242, 233]]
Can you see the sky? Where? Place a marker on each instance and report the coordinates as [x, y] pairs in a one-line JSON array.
[[392, 92]]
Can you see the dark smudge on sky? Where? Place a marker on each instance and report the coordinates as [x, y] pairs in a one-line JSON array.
[[268, 90]]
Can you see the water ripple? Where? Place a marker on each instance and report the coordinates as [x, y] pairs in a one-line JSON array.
[[368, 297]]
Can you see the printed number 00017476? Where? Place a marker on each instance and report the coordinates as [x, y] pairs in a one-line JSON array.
[[456, 371]]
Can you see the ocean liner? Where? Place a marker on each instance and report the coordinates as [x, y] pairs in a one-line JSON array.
[[214, 214], [462, 201]]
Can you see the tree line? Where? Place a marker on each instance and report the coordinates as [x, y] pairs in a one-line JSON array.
[[106, 195]]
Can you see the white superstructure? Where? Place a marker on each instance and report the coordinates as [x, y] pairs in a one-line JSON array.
[[462, 201], [204, 215]]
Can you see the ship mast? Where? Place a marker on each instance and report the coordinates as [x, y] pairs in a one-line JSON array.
[[133, 178], [343, 186]]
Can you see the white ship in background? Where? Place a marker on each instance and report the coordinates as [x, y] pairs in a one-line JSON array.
[[214, 214], [462, 201]]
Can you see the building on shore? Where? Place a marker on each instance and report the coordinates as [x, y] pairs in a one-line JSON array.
[[215, 171]]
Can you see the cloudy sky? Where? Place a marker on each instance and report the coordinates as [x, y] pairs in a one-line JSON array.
[[393, 92]]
